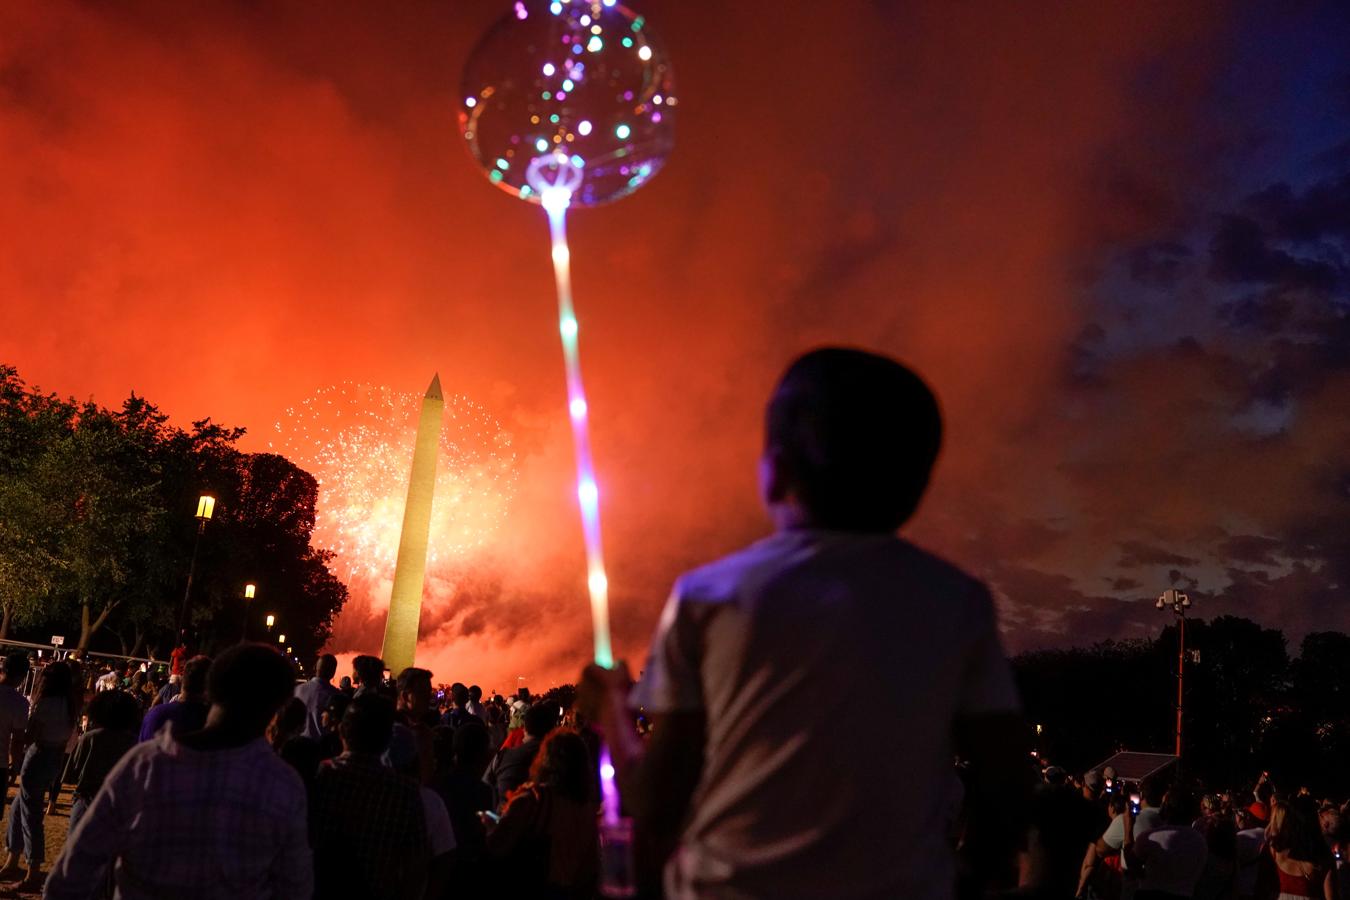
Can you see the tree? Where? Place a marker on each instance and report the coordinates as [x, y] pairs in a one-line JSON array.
[[106, 491], [30, 562]]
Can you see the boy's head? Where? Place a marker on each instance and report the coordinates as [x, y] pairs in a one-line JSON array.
[[850, 440]]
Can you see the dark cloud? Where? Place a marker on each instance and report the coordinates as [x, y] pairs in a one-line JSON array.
[[1239, 253], [1321, 211], [226, 206], [1159, 264], [1138, 553]]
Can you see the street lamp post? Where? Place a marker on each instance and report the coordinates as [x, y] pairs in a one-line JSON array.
[[250, 591], [271, 620], [206, 506], [1178, 603]]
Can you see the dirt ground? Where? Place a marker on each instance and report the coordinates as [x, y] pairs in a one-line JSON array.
[[55, 827]]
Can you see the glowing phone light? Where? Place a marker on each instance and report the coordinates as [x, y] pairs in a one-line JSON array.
[[584, 127], [577, 408]]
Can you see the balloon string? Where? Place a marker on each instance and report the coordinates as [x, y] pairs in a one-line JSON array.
[[556, 201]]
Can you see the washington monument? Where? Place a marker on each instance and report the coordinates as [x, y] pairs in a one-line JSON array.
[[405, 602]]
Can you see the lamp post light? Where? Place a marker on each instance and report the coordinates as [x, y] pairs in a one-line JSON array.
[[250, 591], [281, 639], [206, 506], [271, 620], [1178, 603]]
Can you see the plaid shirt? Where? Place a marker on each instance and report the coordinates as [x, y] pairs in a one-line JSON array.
[[176, 822], [369, 831]]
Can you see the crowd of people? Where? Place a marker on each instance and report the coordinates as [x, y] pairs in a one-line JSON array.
[[737, 755], [228, 778], [1163, 837]]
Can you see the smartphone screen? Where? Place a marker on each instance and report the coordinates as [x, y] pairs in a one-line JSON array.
[[1134, 804]]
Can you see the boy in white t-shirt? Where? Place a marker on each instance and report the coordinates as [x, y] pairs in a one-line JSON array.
[[765, 662]]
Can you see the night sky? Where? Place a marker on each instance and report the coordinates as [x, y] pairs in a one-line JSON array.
[[1115, 240]]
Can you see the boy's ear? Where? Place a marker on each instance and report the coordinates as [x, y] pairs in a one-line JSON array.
[[774, 477]]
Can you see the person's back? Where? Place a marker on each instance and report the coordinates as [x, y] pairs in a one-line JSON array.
[[760, 658], [801, 632], [187, 711], [13, 712], [316, 694], [367, 822], [209, 814]]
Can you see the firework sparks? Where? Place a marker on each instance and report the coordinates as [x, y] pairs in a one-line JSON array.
[[357, 440]]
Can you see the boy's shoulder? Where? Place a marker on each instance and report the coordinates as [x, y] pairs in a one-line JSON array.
[[725, 578]]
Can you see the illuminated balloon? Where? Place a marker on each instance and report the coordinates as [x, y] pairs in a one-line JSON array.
[[576, 92]]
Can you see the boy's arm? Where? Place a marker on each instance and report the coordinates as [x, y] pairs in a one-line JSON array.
[[665, 781]]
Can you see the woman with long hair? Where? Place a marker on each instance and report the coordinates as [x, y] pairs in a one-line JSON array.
[[56, 706], [1302, 861], [547, 835]]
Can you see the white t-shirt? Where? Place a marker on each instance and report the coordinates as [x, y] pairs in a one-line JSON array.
[[1173, 858], [1147, 820], [439, 831], [13, 719], [831, 668]]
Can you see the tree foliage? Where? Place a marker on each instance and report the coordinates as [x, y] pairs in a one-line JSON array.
[[97, 529], [1248, 706]]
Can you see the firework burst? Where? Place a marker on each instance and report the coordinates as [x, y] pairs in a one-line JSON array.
[[357, 440]]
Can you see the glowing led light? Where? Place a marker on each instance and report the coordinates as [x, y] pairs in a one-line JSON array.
[[658, 99], [470, 102], [578, 408], [576, 48], [588, 494], [627, 41], [596, 29], [555, 7], [549, 70], [607, 770], [521, 12], [494, 176], [555, 118], [585, 20], [578, 161], [502, 164], [622, 132], [584, 128], [595, 45], [561, 257], [644, 53], [568, 326], [541, 145], [597, 582], [568, 84], [610, 2]]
